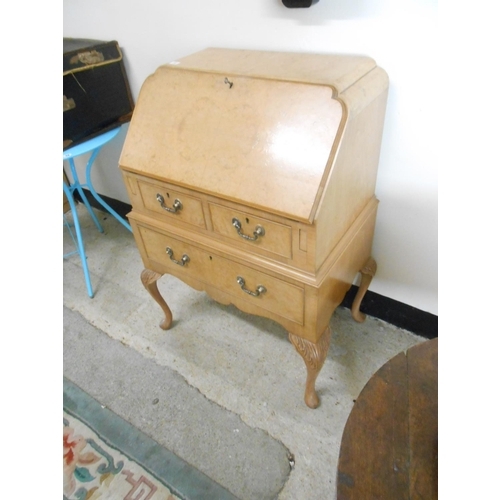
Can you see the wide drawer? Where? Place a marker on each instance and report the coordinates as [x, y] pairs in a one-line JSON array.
[[161, 199], [257, 232], [173, 255]]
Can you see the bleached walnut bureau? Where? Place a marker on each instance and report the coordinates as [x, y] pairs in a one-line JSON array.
[[251, 176]]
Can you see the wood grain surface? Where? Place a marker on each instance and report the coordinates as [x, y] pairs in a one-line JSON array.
[[389, 445]]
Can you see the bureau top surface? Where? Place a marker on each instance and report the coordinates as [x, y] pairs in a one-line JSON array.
[[335, 70], [253, 127]]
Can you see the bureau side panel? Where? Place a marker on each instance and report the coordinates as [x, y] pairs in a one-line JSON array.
[[351, 183], [342, 274]]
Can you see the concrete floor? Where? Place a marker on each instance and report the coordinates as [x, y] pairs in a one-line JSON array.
[[229, 385]]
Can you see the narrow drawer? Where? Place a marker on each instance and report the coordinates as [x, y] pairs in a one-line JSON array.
[[173, 254], [257, 232], [161, 199]]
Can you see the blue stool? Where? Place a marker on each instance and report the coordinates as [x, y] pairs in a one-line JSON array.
[[80, 248], [92, 146]]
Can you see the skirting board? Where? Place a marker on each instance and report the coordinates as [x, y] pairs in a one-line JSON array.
[[396, 313]]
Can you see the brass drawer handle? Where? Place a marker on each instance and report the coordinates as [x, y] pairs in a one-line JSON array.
[[260, 289], [259, 230], [184, 260], [176, 206]]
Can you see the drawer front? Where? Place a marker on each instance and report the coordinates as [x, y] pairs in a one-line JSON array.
[[160, 199], [258, 288], [244, 283], [257, 232], [173, 254]]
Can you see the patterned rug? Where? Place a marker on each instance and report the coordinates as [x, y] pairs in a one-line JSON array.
[[105, 457]]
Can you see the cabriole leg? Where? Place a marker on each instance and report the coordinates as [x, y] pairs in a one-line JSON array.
[[314, 356], [149, 279], [367, 273]]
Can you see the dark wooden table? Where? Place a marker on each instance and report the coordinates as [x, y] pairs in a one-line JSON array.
[[389, 447]]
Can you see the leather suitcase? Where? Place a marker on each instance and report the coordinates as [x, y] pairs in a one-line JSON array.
[[96, 92]]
